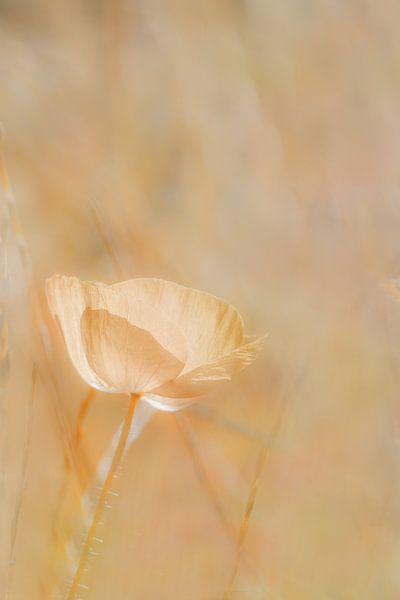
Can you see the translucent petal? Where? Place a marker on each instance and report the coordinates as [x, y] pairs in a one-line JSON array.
[[127, 358], [211, 326], [68, 298], [198, 381]]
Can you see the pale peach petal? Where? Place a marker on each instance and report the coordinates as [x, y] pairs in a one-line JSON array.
[[140, 314], [167, 404], [68, 297], [127, 358], [211, 326], [198, 381], [67, 303]]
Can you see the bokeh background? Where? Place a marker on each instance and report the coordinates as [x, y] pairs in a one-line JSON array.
[[250, 148]]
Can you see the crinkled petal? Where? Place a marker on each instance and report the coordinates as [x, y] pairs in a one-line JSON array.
[[67, 304], [198, 381], [211, 326], [138, 312], [68, 297], [127, 358]]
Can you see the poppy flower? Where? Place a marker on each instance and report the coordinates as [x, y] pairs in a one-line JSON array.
[[152, 337]]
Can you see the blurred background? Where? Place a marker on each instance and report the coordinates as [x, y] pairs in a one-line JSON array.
[[250, 148]]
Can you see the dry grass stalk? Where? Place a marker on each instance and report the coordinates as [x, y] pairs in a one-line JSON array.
[[23, 481], [4, 351], [251, 498], [83, 410], [261, 460]]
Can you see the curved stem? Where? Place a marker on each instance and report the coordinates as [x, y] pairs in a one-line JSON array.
[[119, 451], [84, 407]]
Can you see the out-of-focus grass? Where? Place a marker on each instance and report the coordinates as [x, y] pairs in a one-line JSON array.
[[250, 148]]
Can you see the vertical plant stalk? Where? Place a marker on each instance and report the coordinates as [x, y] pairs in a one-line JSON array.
[[98, 475], [119, 451], [4, 357], [262, 457], [63, 495], [22, 486], [83, 410]]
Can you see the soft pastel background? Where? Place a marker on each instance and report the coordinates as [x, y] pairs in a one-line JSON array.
[[250, 148]]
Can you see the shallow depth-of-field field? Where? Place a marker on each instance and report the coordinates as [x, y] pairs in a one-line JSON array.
[[250, 148]]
